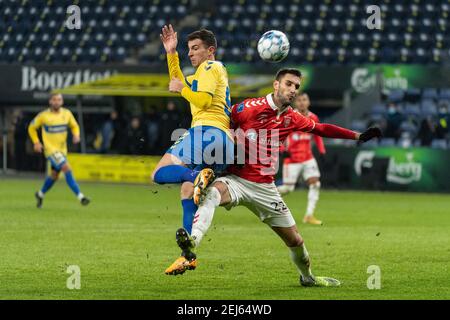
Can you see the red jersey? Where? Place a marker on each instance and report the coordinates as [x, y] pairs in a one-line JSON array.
[[298, 144], [262, 129]]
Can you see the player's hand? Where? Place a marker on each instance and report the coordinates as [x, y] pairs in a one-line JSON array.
[[321, 158], [76, 139], [175, 85], [38, 147], [169, 39], [373, 132], [286, 154]]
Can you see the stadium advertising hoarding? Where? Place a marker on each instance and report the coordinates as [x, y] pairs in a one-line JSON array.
[[409, 169], [26, 83], [156, 84], [402, 169], [113, 168], [399, 77], [361, 78]]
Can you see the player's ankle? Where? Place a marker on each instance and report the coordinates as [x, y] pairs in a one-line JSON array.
[[189, 254]]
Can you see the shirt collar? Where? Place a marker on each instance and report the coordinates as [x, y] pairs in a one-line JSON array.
[[270, 102]]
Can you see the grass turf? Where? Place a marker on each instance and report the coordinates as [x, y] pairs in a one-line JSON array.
[[124, 240]]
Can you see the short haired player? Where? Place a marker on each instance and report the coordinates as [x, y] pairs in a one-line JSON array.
[[55, 123], [300, 161], [208, 94], [252, 185]]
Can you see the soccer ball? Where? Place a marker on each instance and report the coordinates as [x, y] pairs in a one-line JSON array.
[[273, 46]]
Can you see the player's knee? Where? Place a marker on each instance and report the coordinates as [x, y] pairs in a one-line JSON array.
[[157, 176], [54, 175], [187, 190], [294, 241], [223, 193], [65, 167], [315, 184]]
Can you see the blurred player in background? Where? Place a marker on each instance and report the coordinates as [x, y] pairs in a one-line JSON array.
[[252, 185], [55, 121], [300, 160], [208, 93]]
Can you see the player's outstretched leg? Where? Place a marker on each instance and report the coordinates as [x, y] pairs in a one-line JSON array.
[[73, 185], [216, 195], [300, 257], [48, 183], [174, 174], [202, 181], [171, 169]]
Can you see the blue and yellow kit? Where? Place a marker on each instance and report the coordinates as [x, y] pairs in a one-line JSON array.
[[208, 93]]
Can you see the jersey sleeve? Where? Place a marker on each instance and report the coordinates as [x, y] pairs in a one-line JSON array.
[[173, 62], [318, 139], [207, 79], [199, 99], [333, 131], [239, 114], [302, 123], [73, 125], [319, 143], [33, 127]]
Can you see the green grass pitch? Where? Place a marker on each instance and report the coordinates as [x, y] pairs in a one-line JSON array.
[[124, 240]]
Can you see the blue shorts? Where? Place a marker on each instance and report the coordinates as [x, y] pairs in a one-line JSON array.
[[57, 160], [204, 147]]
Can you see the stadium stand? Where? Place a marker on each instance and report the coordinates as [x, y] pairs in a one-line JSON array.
[[33, 31], [424, 122]]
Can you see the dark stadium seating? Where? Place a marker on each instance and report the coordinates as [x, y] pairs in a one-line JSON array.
[[320, 31], [432, 105]]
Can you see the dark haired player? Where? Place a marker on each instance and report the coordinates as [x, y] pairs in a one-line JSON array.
[[207, 144], [252, 185]]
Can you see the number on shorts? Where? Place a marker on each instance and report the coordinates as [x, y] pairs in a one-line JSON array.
[[58, 158], [279, 206]]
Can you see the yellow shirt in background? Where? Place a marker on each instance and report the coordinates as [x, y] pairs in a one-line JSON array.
[[54, 130]]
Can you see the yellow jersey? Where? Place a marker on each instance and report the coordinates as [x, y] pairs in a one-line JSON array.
[[210, 77], [54, 130]]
